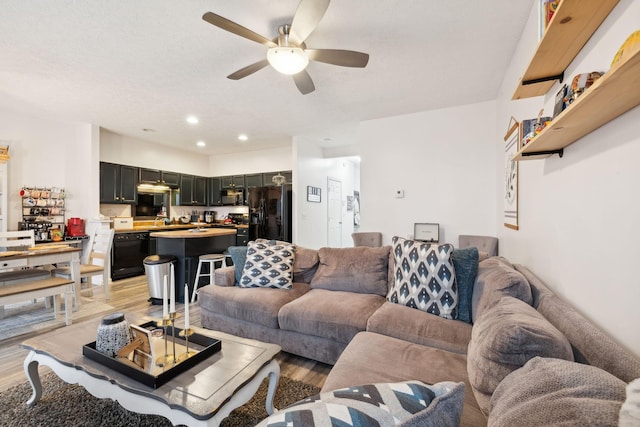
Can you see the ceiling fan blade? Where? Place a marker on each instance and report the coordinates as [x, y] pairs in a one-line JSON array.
[[236, 29], [306, 19], [248, 70], [303, 82], [345, 58]]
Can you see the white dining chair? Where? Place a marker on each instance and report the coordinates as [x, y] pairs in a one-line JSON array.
[[97, 262], [17, 240]]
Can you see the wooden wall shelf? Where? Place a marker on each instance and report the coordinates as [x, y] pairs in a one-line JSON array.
[[613, 94], [568, 31]]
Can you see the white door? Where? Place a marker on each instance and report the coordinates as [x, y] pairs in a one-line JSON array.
[[334, 214]]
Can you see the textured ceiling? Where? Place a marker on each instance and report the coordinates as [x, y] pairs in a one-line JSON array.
[[131, 65]]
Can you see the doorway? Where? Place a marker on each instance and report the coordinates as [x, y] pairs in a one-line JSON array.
[[334, 213]]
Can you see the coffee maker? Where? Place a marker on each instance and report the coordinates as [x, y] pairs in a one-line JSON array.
[[210, 217]]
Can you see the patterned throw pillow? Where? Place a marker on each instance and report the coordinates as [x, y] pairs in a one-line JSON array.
[[386, 404], [268, 265], [424, 277]]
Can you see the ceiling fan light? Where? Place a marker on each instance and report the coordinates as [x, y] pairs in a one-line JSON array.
[[287, 60]]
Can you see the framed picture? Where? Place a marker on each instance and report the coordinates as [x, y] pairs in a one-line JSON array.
[[314, 194], [349, 203], [512, 145], [426, 232]]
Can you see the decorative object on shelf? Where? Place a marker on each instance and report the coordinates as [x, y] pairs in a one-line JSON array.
[[314, 194], [4, 153], [532, 127], [512, 144], [560, 102], [579, 84], [279, 179], [113, 334], [630, 46]]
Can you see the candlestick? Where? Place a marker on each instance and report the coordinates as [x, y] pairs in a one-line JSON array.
[[172, 299], [165, 310], [173, 281], [186, 306]]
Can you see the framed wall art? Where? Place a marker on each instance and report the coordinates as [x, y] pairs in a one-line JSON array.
[[512, 145], [314, 194]]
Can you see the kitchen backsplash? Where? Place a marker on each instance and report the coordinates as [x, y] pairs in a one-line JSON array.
[[175, 211]]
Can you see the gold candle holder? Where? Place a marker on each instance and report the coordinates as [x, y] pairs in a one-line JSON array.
[[186, 333], [167, 359]]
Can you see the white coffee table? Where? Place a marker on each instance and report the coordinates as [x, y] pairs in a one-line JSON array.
[[202, 396]]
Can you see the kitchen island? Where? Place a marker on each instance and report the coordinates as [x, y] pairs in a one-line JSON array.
[[187, 246]]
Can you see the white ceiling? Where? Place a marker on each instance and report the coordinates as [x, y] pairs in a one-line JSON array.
[[131, 65]]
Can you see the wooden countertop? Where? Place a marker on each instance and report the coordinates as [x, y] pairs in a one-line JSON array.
[[188, 234]]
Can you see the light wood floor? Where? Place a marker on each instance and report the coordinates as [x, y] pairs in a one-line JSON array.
[[130, 295]]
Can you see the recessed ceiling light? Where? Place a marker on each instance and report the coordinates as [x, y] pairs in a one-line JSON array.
[[192, 119], [243, 137], [201, 144], [148, 130]]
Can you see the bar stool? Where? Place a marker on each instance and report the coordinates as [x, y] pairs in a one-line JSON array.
[[210, 259]]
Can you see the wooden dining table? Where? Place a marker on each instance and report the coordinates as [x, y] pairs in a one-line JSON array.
[[42, 255]]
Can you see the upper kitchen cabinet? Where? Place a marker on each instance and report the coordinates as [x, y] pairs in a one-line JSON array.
[[156, 176], [193, 190], [253, 180], [118, 183], [215, 194], [235, 181]]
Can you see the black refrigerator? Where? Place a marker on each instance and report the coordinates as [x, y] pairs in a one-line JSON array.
[[270, 212]]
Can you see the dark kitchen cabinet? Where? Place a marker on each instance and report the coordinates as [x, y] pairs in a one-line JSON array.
[[193, 190], [156, 176], [242, 237], [253, 180], [118, 183], [215, 187], [234, 181]]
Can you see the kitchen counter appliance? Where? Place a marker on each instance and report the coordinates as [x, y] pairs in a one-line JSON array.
[[128, 254]]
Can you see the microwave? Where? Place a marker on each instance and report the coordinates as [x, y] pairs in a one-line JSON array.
[[231, 197]]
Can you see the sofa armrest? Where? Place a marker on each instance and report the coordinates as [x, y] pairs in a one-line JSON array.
[[224, 276]]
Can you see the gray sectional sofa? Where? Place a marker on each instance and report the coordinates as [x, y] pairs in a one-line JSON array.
[[526, 357]]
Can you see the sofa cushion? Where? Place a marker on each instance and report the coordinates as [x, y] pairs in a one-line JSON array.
[[407, 403], [361, 269], [257, 305], [506, 337], [334, 315], [416, 326], [372, 358], [465, 262], [268, 265], [497, 278], [630, 409], [424, 277], [551, 392], [305, 265], [239, 258]]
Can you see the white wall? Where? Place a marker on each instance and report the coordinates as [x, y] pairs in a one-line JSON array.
[[124, 150], [313, 169], [271, 160], [579, 214], [443, 160], [51, 153]]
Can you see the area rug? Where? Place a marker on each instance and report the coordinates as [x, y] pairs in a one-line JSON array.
[[70, 405]]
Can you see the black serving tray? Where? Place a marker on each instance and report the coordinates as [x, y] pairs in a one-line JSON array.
[[210, 346]]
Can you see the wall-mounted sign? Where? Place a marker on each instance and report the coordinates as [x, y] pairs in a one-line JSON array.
[[313, 194]]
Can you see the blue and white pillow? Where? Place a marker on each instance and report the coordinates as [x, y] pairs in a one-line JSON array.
[[385, 404], [269, 265], [424, 277]]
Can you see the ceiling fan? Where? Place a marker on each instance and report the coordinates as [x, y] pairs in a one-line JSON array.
[[287, 52]]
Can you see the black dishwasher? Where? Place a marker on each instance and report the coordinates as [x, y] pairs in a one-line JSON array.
[[128, 253]]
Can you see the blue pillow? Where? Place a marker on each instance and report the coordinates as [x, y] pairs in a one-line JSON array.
[[465, 263], [239, 257]]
